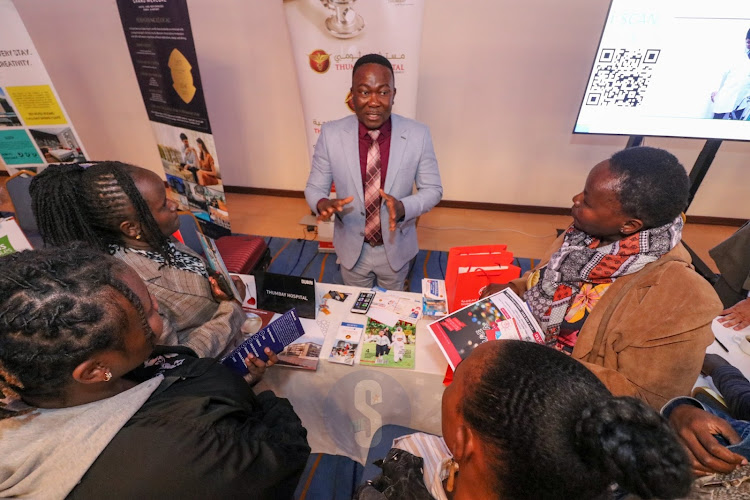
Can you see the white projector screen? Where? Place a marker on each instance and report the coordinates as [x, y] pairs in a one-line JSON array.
[[674, 68]]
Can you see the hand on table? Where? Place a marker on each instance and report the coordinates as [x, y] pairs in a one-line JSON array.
[[327, 208], [395, 207], [696, 429], [711, 362], [737, 316], [258, 367]]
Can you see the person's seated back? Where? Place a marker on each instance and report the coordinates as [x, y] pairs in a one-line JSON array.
[[87, 411], [524, 422], [123, 210], [617, 291]]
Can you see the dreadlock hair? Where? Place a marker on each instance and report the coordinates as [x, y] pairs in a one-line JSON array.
[[73, 203], [57, 307], [556, 432]]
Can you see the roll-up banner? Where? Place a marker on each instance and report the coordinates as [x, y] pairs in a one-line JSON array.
[[328, 36], [160, 41], [35, 130]]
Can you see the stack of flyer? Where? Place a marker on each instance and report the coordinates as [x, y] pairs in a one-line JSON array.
[[434, 298], [500, 316]]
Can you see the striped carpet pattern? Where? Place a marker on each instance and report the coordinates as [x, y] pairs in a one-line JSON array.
[[300, 257]]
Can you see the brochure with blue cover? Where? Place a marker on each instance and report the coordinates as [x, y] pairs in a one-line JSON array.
[[277, 335]]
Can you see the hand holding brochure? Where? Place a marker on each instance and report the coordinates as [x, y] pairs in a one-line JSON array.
[[277, 335], [500, 316]]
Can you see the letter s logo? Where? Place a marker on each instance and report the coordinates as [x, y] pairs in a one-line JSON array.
[[362, 436]]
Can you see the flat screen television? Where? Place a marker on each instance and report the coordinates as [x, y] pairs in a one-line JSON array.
[[674, 68]]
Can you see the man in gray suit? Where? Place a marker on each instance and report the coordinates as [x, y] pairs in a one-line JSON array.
[[375, 159]]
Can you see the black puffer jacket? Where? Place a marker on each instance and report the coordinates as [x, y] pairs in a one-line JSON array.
[[202, 434]]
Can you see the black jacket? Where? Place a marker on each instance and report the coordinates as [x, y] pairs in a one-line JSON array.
[[202, 434]]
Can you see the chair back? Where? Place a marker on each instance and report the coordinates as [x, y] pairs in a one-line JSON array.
[[18, 190]]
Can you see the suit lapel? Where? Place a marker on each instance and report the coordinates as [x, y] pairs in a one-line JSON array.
[[396, 155], [350, 147]]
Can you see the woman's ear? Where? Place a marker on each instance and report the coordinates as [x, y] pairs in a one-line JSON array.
[[130, 228], [463, 441], [631, 226], [91, 371]]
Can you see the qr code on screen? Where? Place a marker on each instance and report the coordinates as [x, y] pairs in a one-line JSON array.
[[621, 77]]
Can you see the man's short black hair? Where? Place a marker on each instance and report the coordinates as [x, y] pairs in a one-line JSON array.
[[373, 59], [747, 37], [653, 184], [183, 137]]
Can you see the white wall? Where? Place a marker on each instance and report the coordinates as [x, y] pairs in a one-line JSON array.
[[500, 84]]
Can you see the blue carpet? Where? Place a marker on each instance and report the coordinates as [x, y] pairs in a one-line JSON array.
[[300, 257]]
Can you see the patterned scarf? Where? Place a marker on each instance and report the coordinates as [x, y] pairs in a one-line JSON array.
[[579, 261], [182, 260]]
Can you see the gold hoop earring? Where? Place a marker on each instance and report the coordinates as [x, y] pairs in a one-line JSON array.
[[138, 236], [453, 470], [107, 376]]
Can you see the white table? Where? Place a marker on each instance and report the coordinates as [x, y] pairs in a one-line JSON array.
[[341, 406], [736, 357]]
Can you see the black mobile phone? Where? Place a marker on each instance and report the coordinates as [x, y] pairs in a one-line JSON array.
[[363, 302]]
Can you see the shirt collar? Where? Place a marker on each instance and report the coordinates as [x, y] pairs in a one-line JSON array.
[[385, 130]]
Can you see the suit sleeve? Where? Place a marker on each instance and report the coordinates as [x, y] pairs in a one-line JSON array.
[[321, 176], [429, 188]]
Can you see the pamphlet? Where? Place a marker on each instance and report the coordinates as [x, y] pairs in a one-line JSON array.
[[434, 298], [392, 347], [346, 343], [217, 267], [12, 238], [500, 316], [277, 335], [390, 307], [304, 353], [251, 294]]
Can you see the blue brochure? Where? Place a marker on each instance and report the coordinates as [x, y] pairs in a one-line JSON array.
[[277, 335]]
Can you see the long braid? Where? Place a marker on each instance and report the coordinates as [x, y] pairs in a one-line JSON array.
[[58, 208], [76, 204], [57, 307]]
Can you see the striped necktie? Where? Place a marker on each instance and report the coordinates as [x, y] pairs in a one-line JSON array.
[[372, 191]]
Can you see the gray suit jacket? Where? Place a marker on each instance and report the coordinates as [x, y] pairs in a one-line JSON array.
[[411, 161], [192, 317]]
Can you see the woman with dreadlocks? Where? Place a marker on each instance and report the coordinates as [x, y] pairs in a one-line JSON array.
[[123, 210], [88, 411]]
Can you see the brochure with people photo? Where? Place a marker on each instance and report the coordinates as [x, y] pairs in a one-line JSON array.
[[217, 267], [500, 316], [389, 346], [347, 340]]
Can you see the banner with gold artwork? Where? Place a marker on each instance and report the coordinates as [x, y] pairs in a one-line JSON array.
[[328, 36], [35, 130], [160, 40]]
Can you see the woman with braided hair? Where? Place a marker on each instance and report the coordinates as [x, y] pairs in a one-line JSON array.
[[89, 411], [525, 422], [123, 210]]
